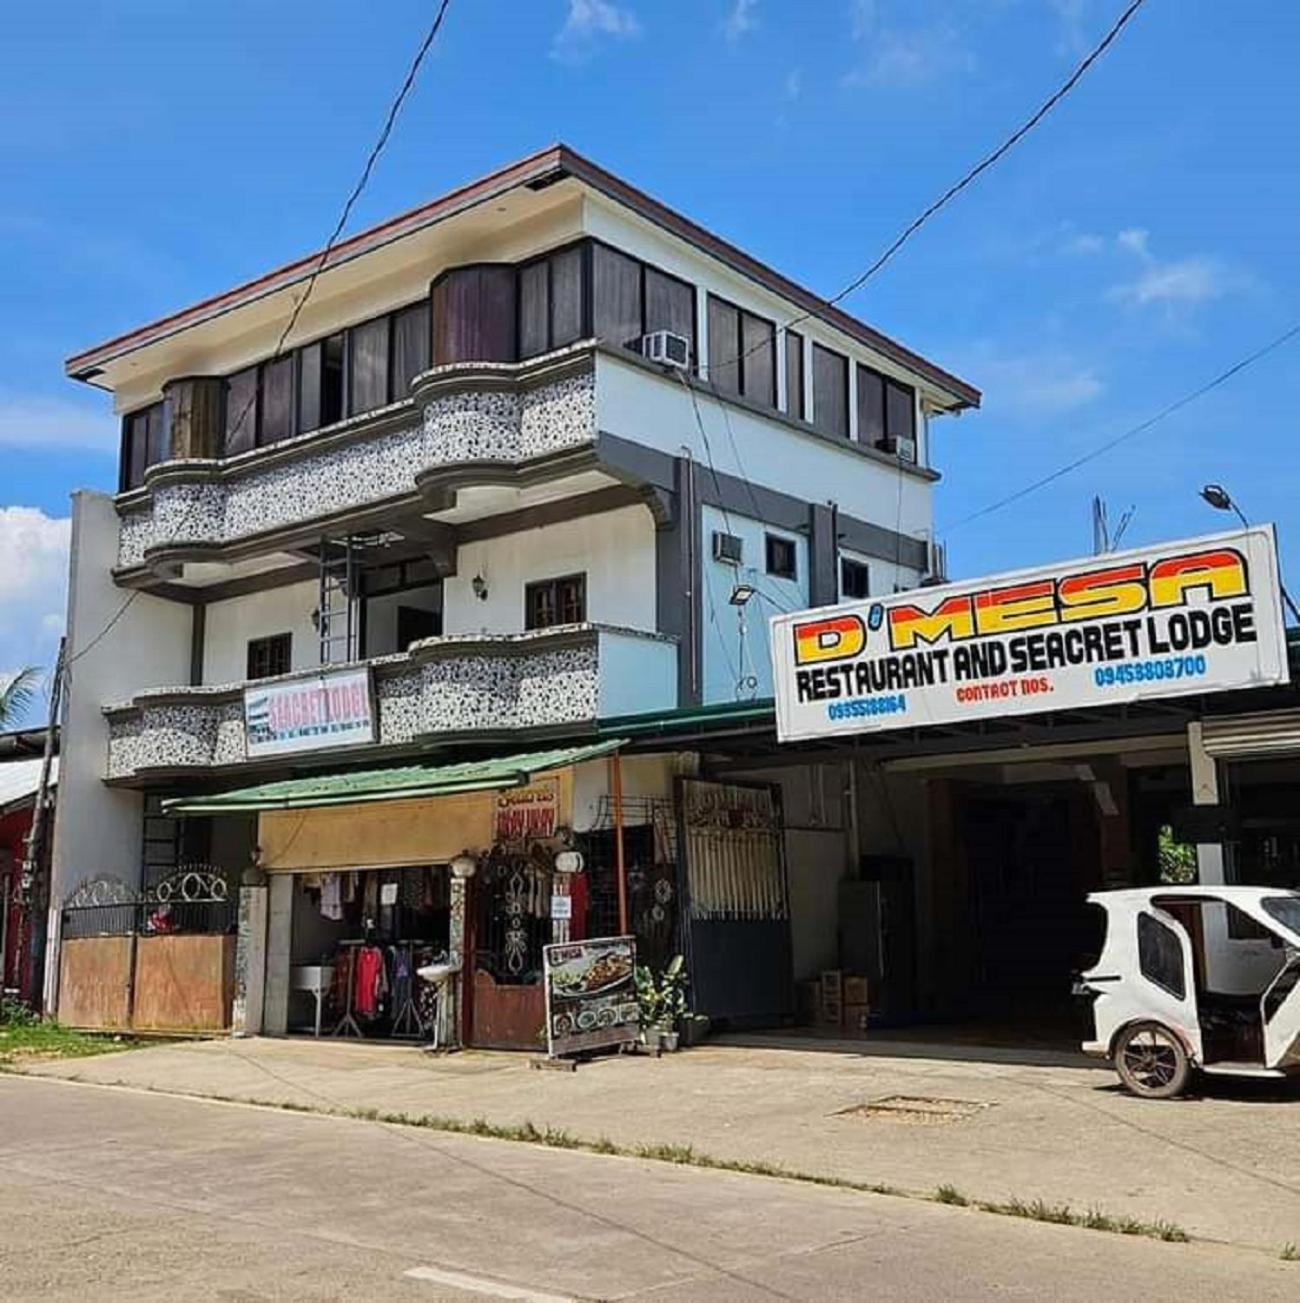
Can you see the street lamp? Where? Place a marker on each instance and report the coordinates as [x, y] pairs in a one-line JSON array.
[[1221, 500]]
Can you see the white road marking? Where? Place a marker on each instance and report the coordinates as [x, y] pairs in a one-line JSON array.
[[481, 1285]]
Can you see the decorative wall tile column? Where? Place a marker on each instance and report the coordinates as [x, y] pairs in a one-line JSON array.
[[463, 869]]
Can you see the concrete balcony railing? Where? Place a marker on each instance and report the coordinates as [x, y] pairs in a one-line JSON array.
[[441, 689], [504, 415]]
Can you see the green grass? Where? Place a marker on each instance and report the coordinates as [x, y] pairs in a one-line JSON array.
[[47, 1040], [1290, 1252]]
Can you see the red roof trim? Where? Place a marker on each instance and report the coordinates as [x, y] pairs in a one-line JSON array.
[[530, 169]]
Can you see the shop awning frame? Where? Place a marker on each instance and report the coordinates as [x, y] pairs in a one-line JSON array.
[[410, 782]]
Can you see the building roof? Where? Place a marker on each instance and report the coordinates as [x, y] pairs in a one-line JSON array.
[[536, 172], [411, 781], [20, 780]]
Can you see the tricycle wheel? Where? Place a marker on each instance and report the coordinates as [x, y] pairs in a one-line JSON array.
[[1151, 1061]]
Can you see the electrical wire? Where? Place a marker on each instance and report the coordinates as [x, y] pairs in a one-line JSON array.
[[1176, 406], [301, 301]]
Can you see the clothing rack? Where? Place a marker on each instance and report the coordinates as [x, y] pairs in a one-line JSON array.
[[348, 1025], [407, 1022]]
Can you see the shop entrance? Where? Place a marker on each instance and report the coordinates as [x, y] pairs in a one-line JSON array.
[[358, 941], [1032, 856]]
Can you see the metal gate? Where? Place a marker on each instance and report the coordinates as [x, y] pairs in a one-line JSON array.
[[736, 911]]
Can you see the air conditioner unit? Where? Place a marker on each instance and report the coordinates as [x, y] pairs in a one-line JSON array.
[[727, 548], [665, 347], [902, 448], [938, 569]]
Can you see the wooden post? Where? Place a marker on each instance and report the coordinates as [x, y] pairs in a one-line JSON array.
[[620, 862]]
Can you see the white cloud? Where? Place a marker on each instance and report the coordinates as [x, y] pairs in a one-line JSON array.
[[1037, 385], [1084, 244], [793, 86], [1175, 285], [899, 57], [33, 586], [41, 422], [588, 22], [740, 20]]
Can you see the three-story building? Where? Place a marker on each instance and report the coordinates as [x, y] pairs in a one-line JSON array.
[[537, 459]]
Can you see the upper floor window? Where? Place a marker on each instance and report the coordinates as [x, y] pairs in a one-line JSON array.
[[886, 413], [854, 579], [144, 444], [270, 657], [630, 298], [552, 301], [742, 352], [780, 556], [555, 601], [830, 391], [794, 396]]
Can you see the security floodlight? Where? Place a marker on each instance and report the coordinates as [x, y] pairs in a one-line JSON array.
[[741, 594]]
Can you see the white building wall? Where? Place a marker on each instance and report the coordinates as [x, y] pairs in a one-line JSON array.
[[616, 551], [97, 829], [725, 659], [658, 412], [232, 624]]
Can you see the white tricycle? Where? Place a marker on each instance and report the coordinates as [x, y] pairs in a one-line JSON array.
[[1196, 978]]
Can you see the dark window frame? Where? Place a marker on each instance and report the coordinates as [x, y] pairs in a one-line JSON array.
[[1152, 935], [138, 426], [868, 375], [741, 352], [851, 565], [818, 416], [539, 587], [802, 413], [781, 543], [269, 657]]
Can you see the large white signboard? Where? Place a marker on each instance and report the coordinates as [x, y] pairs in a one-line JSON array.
[[1190, 617], [331, 709]]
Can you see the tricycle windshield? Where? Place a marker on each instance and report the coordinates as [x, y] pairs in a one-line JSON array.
[[1286, 909]]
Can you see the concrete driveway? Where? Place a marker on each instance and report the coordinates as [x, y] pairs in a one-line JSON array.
[[1223, 1166]]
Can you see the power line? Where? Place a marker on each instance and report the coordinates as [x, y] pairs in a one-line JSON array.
[[300, 303], [1222, 378]]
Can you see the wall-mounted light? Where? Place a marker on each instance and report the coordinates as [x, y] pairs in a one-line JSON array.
[[479, 585], [741, 594]]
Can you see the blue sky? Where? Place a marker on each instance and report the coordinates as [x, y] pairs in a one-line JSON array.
[[158, 151]]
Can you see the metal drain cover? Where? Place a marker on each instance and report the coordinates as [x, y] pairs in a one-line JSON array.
[[918, 1110]]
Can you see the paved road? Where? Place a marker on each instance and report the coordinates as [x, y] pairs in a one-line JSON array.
[[110, 1194]]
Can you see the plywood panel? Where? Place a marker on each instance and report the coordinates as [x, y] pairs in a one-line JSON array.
[[95, 982], [184, 983], [508, 1017]]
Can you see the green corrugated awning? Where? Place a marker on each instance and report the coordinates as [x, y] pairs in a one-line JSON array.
[[410, 781]]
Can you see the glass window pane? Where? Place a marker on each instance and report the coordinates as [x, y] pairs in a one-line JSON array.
[[135, 451], [309, 387], [156, 434], [241, 411], [669, 305], [616, 297], [368, 376], [900, 413], [566, 297], [831, 391], [410, 347], [1160, 955], [277, 401], [331, 393], [871, 406], [758, 348], [534, 309], [724, 346], [794, 399]]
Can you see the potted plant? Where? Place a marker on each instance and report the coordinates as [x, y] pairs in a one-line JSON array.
[[662, 1002]]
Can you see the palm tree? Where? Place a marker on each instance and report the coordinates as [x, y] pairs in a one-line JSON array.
[[17, 694]]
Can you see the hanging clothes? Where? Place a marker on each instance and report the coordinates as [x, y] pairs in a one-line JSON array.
[[579, 890], [400, 975], [371, 982], [331, 896]]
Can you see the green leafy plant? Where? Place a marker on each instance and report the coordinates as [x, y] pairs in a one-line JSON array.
[[17, 693], [662, 998]]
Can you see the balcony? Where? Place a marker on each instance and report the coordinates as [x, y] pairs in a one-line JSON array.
[[442, 689], [514, 418]]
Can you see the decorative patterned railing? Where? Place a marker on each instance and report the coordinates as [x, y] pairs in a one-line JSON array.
[[442, 687], [504, 414]]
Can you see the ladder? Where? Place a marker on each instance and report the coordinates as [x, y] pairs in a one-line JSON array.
[[336, 608]]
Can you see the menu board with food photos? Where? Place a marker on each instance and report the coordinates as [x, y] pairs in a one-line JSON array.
[[590, 994]]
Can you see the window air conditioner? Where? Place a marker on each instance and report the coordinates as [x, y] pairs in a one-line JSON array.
[[902, 448], [667, 348], [727, 548]]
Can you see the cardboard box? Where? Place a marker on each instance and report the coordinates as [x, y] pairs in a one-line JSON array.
[[830, 1004], [855, 990], [856, 1018]]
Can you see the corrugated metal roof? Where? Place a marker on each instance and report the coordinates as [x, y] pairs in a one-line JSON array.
[[357, 786], [20, 780]]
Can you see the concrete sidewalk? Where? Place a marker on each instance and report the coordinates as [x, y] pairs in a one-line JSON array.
[[1224, 1166]]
